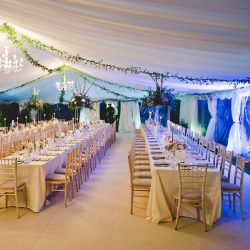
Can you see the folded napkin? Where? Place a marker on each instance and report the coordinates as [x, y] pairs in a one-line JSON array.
[[161, 164], [158, 157]]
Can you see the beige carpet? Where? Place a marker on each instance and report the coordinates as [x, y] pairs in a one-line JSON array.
[[98, 218]]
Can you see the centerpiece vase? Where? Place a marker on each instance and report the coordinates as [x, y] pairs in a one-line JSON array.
[[157, 114], [180, 155], [33, 114]]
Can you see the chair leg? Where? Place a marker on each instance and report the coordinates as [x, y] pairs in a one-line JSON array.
[[204, 215], [72, 186], [80, 173], [65, 195], [229, 200], [69, 191], [234, 201], [132, 199], [25, 197], [76, 182], [174, 205], [6, 201], [46, 188], [198, 213], [17, 208], [241, 207], [177, 214]]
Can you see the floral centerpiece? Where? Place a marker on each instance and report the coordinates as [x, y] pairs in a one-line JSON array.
[[162, 96], [34, 102], [159, 102], [80, 101], [175, 145]]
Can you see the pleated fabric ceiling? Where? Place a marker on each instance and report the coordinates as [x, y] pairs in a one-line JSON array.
[[209, 39]]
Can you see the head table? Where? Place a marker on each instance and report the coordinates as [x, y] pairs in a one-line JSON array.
[[34, 173], [165, 183]]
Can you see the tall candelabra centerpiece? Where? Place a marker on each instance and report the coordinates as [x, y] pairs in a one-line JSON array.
[[159, 101], [80, 100], [34, 105]]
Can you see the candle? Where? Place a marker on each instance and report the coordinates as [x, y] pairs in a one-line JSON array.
[[54, 115], [17, 121], [44, 116], [4, 122], [73, 124]]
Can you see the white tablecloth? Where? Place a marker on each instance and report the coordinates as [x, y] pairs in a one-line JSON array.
[[35, 173], [165, 184]]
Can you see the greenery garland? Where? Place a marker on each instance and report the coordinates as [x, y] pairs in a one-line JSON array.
[[87, 78], [92, 81], [12, 36]]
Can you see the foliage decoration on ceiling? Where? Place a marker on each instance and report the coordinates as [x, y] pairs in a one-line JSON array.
[[19, 43]]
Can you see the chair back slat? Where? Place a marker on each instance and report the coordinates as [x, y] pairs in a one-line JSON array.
[[239, 171], [8, 174], [192, 177]]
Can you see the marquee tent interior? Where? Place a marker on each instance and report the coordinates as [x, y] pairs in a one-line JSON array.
[[118, 51]]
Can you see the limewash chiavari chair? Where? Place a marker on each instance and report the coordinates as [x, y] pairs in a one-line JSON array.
[[114, 132], [9, 183], [6, 150], [79, 164], [226, 166], [140, 187], [203, 148], [212, 152], [72, 172], [138, 165], [17, 145], [236, 187], [192, 183], [86, 160], [221, 153], [61, 182]]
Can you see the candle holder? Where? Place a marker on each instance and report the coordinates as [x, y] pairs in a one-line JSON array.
[[44, 116], [26, 121], [5, 122]]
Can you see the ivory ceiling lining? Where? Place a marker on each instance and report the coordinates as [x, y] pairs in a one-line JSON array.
[[195, 38]]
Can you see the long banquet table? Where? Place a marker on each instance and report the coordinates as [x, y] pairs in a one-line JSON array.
[[165, 184], [35, 172]]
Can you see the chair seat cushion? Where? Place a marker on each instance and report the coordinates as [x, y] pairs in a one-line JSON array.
[[142, 182], [225, 186], [60, 171], [142, 174], [55, 177], [190, 197]]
